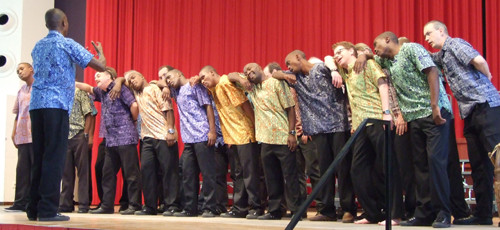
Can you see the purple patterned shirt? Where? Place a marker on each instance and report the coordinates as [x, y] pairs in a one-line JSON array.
[[191, 101], [116, 116]]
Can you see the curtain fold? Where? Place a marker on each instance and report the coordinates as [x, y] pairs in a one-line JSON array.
[[227, 34]]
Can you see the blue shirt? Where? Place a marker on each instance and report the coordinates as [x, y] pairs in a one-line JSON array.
[[191, 102], [322, 106], [469, 86], [53, 62], [116, 118]]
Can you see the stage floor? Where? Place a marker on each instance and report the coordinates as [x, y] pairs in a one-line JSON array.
[[18, 220]]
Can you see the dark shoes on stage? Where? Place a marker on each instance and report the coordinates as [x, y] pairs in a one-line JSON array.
[[57, 217], [102, 211], [234, 214], [442, 221], [15, 208], [473, 220], [185, 213], [254, 214], [269, 216], [146, 211]]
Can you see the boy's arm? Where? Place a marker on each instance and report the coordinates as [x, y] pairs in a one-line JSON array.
[[292, 139], [248, 110], [212, 136], [280, 75], [134, 110], [170, 127], [115, 92], [433, 79]]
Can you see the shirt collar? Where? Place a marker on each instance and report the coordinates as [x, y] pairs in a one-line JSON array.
[[55, 32], [110, 86], [446, 43]]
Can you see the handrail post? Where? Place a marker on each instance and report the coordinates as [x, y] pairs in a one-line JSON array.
[[388, 176]]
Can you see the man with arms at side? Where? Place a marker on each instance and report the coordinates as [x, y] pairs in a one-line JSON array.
[[237, 125], [21, 137], [469, 78], [51, 100]]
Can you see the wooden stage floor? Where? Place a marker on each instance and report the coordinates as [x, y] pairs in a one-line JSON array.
[[19, 221]]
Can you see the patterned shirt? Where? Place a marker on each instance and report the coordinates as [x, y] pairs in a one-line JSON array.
[[151, 108], [53, 62], [270, 99], [236, 127], [81, 107], [116, 116], [322, 105], [21, 109], [363, 92], [191, 102], [411, 83], [469, 86]]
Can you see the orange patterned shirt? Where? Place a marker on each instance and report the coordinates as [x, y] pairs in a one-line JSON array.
[[151, 108], [237, 128]]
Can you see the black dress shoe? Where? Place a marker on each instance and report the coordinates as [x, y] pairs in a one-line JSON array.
[[185, 213], [102, 211], [472, 220], [98, 206], [234, 214], [414, 221], [146, 211], [123, 207], [254, 214], [442, 221], [15, 208], [83, 210], [269, 216], [208, 213], [129, 211], [57, 217]]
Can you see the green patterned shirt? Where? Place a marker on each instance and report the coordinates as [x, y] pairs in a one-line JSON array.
[[411, 83], [364, 96], [81, 107]]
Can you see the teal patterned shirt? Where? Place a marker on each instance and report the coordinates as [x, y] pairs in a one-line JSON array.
[[411, 83]]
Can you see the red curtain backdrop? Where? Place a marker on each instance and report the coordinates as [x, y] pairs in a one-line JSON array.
[[188, 34]]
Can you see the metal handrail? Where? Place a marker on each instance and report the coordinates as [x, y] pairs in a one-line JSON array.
[[333, 166]]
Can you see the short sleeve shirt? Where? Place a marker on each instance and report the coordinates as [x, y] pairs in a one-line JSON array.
[[191, 102], [270, 99], [151, 108], [116, 116], [21, 109], [322, 106], [469, 86], [237, 128], [364, 95], [411, 83], [54, 57], [81, 107]]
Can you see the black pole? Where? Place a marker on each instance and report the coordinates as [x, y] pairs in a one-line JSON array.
[[388, 176], [483, 11]]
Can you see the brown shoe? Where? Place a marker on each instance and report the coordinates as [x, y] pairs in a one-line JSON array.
[[321, 217], [347, 218]]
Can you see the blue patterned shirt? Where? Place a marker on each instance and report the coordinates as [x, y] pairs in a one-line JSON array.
[[322, 106], [411, 83], [116, 118], [469, 86], [53, 62], [191, 102]]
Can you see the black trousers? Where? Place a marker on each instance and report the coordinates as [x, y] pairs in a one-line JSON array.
[[222, 162], [328, 146], [482, 132], [368, 174], [156, 156], [404, 156], [49, 130], [307, 167], [246, 167], [124, 157], [280, 172], [77, 156], [98, 167], [198, 157], [458, 205], [430, 149], [23, 176]]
